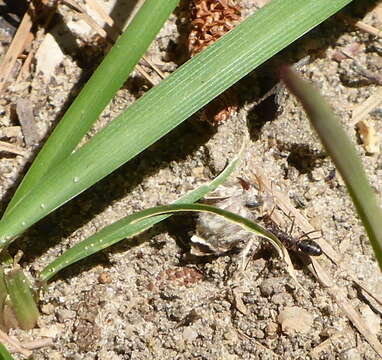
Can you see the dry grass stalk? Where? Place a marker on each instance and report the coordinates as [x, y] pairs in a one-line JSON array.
[[20, 41]]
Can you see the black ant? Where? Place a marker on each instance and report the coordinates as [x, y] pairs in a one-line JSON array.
[[302, 244], [307, 246]]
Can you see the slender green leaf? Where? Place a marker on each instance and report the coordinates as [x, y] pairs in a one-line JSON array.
[[6, 262], [98, 91], [161, 109], [343, 154], [22, 299], [3, 295], [131, 226], [119, 230], [4, 353]]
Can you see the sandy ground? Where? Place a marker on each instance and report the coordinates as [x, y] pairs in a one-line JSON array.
[[153, 301]]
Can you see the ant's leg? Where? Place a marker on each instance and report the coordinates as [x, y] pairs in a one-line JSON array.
[[306, 235]]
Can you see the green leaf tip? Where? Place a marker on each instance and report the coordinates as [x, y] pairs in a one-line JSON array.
[[22, 299]]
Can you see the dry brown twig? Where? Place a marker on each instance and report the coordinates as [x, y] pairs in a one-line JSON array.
[[326, 345], [361, 111], [100, 11], [14, 345], [368, 28], [212, 19], [370, 75], [362, 26], [24, 348], [46, 20], [21, 40], [85, 17], [108, 36], [11, 148]]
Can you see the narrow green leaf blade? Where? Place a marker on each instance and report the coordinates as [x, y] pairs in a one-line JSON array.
[[131, 226], [119, 230]]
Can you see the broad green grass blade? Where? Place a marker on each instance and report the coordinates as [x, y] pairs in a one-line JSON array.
[[132, 225], [98, 91], [343, 154], [4, 353], [119, 230], [161, 109]]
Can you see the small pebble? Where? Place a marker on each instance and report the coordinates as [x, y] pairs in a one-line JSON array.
[[271, 329], [52, 331], [271, 286], [231, 336], [258, 334], [55, 355], [104, 278], [351, 354], [189, 334], [47, 309], [294, 319], [282, 299], [64, 314]]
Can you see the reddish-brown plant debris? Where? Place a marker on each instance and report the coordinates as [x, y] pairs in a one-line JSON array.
[[179, 276], [210, 20]]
